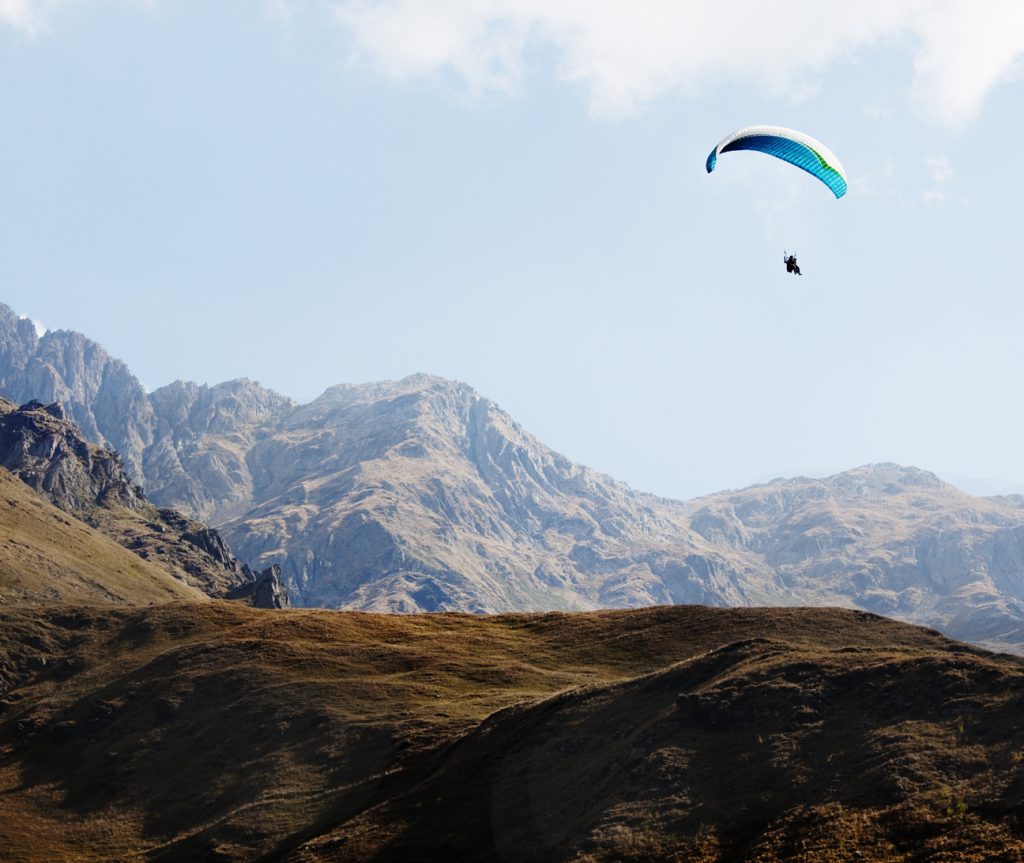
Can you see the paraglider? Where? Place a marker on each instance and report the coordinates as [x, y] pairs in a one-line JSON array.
[[789, 145]]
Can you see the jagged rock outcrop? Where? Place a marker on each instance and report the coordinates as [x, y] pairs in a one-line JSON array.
[[49, 453], [264, 591]]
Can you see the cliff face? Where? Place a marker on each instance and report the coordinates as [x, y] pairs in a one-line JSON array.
[[422, 495], [201, 439], [97, 392]]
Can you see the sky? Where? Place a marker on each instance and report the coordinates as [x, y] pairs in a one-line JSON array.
[[512, 193]]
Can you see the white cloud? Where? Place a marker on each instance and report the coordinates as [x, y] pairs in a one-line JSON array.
[[40, 327], [25, 16], [480, 42], [32, 18], [967, 49], [626, 55]]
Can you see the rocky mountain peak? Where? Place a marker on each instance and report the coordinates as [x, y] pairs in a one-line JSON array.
[[884, 478], [225, 408], [97, 391], [18, 343], [263, 591], [202, 438], [342, 395]]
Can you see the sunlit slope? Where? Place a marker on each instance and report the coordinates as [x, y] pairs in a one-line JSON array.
[[218, 732], [48, 556]]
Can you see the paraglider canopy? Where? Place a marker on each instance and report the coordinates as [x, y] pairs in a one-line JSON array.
[[789, 145]]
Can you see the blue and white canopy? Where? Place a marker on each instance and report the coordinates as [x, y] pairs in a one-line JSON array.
[[790, 146]]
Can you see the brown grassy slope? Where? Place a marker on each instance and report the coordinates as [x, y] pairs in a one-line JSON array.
[[49, 453], [174, 543], [216, 732], [761, 751], [49, 556]]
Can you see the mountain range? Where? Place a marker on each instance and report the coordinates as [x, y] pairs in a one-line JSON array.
[[142, 719], [158, 701], [422, 495]]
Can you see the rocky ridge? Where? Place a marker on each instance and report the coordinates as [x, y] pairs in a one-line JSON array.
[[48, 453]]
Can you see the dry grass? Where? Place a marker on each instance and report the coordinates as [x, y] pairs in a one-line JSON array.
[[215, 732], [49, 556]]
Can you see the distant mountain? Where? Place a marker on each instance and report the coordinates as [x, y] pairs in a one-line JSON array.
[[201, 440], [885, 538], [216, 732], [422, 495]]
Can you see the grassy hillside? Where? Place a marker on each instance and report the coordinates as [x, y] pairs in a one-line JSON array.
[[48, 453], [218, 732], [49, 556]]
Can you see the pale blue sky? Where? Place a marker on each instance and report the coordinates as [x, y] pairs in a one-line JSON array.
[[512, 193]]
